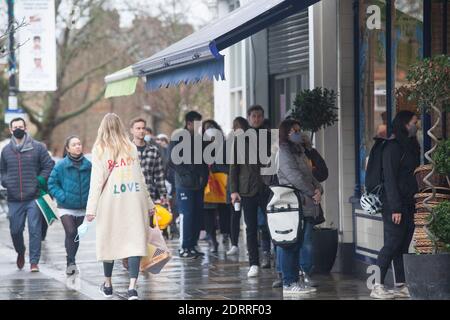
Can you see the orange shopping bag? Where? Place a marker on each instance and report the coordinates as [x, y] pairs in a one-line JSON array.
[[216, 189]]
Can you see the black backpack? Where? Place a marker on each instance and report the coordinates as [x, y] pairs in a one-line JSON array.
[[374, 170]]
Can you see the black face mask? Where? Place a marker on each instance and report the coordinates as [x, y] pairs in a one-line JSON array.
[[19, 133]]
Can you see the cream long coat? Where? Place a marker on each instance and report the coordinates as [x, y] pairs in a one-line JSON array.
[[121, 210]]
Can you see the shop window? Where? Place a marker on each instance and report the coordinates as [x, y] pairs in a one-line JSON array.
[[407, 48]]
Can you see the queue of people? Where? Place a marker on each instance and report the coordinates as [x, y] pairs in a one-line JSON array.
[[212, 194]]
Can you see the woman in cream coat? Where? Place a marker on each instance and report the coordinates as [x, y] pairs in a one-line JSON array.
[[119, 201]]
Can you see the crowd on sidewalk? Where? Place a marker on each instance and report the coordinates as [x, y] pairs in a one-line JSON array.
[[131, 169]]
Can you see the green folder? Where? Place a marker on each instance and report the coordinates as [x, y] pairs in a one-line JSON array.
[[45, 202]]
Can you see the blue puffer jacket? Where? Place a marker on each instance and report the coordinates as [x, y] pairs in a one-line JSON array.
[[69, 185]]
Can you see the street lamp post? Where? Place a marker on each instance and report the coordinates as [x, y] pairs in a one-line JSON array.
[[12, 99]]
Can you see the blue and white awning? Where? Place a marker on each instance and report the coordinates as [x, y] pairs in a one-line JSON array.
[[197, 56]]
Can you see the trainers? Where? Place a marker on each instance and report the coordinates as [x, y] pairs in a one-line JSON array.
[[401, 292], [106, 291], [379, 292], [305, 279], [295, 289], [71, 269], [266, 260], [233, 251], [197, 252], [132, 295], [279, 282], [20, 261], [187, 254], [214, 247], [34, 267], [253, 272]]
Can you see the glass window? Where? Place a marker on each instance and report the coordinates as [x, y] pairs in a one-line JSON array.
[[407, 47], [372, 81]]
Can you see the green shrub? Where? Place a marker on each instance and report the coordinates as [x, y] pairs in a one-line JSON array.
[[441, 157], [440, 225]]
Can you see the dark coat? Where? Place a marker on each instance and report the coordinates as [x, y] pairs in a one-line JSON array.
[[20, 167]]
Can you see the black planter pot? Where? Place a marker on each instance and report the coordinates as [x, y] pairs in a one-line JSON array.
[[428, 276], [325, 245]]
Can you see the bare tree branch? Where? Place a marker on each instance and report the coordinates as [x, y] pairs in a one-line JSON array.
[[87, 105]]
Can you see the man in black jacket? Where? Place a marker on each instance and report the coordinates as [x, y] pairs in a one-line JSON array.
[[22, 161], [191, 177]]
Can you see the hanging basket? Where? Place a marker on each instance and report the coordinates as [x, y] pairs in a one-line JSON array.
[[436, 179]]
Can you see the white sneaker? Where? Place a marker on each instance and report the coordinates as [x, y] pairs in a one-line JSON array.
[[233, 251], [401, 292], [253, 272], [380, 292], [295, 289]]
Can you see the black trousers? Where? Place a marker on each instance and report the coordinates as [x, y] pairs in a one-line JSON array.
[[250, 206], [397, 238], [223, 212]]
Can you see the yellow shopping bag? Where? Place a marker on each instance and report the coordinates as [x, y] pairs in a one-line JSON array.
[[163, 217]]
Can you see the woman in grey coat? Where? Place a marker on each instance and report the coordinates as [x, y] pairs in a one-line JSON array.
[[295, 170]]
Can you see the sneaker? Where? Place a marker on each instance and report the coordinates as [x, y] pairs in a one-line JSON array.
[[71, 269], [34, 267], [214, 247], [304, 278], [295, 289], [132, 295], [197, 252], [266, 260], [20, 261], [253, 272], [401, 292], [106, 291], [233, 251], [379, 292], [279, 282], [187, 254]]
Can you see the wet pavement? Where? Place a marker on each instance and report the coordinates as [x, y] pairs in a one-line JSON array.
[[214, 277]]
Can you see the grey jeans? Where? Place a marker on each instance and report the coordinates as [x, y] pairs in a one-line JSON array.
[[18, 212]]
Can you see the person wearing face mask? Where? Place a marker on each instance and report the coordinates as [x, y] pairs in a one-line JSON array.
[[247, 187], [295, 170], [216, 207], [401, 156], [191, 177], [69, 185], [22, 161]]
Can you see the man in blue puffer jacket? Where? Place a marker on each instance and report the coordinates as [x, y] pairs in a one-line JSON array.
[[22, 161]]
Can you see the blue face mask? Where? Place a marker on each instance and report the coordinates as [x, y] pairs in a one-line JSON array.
[[82, 230], [296, 137], [147, 138]]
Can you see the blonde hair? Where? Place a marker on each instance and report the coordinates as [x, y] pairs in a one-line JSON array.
[[112, 137]]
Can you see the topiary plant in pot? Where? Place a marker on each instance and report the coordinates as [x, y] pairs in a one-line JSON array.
[[315, 110], [430, 85]]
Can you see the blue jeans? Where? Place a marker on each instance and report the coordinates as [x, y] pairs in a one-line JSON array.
[[288, 263], [305, 258], [190, 208], [18, 212], [306, 252]]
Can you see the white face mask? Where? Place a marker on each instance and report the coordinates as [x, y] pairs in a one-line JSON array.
[[147, 138], [82, 230], [210, 132]]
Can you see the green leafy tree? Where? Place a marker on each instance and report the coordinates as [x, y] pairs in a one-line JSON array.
[[315, 109]]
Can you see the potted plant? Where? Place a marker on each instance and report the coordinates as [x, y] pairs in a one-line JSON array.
[[429, 79], [316, 109]]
